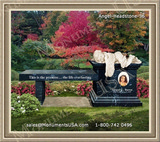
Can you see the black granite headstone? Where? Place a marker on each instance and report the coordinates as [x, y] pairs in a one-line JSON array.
[[118, 90]]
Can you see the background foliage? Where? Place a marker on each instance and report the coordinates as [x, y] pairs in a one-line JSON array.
[[56, 34]]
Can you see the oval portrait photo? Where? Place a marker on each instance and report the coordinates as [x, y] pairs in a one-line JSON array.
[[123, 78]]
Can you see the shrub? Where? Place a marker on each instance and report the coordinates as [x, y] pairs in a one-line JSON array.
[[14, 75], [25, 57], [48, 64], [35, 49], [144, 75], [24, 88], [21, 60], [142, 88], [84, 88], [143, 69], [23, 105]]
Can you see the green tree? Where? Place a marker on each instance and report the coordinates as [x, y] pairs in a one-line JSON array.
[[145, 39], [33, 22], [17, 58], [24, 23], [17, 18]]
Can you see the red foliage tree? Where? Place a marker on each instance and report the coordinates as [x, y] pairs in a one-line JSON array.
[[77, 52], [76, 31]]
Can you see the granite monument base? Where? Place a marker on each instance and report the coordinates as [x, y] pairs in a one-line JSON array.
[[118, 90], [113, 101]]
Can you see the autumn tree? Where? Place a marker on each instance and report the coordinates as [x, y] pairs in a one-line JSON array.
[[76, 31], [120, 29], [51, 22], [76, 40]]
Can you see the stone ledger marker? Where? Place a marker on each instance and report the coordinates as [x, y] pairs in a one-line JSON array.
[[118, 90]]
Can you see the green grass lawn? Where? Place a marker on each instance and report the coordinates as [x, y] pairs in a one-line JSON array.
[[119, 119]]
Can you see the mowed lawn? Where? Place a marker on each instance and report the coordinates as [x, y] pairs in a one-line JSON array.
[[85, 119]]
